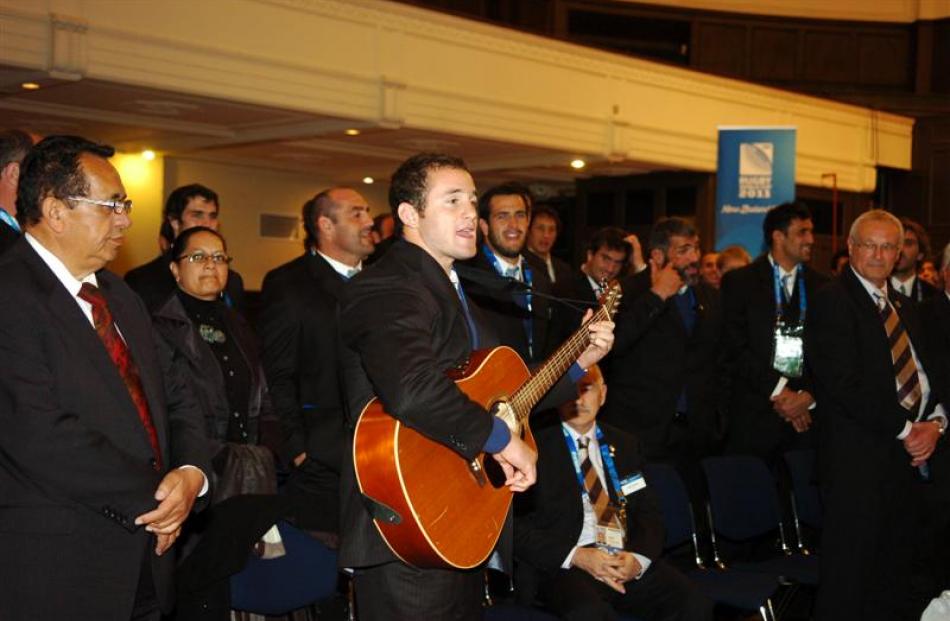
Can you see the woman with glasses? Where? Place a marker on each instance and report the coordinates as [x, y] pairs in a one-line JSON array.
[[221, 353]]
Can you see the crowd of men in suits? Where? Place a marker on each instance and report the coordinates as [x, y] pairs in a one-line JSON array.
[[100, 461]]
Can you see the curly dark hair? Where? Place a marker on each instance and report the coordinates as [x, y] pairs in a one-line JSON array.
[[52, 168]]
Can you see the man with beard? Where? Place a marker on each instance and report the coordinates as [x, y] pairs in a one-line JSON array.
[[916, 247], [662, 373], [513, 295], [298, 327], [767, 393]]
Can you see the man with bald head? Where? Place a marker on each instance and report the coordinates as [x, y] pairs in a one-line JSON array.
[[882, 417], [298, 328], [102, 453]]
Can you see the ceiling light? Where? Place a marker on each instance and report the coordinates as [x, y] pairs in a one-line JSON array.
[[368, 180], [352, 132], [578, 164], [148, 154], [30, 86]]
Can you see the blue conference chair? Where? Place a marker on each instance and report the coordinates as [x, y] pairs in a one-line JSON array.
[[307, 573], [805, 497], [743, 505], [732, 587]]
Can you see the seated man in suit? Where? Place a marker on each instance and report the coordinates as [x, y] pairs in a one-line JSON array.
[[594, 553]]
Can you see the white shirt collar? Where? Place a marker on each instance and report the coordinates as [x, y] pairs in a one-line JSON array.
[[590, 435], [59, 268], [904, 285], [781, 270], [344, 270], [870, 287]]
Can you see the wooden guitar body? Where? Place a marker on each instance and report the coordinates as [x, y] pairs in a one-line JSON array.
[[443, 511]]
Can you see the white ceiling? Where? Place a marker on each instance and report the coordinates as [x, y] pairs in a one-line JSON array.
[[133, 118]]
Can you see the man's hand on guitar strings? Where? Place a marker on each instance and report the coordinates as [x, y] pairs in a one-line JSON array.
[[519, 462], [601, 340]]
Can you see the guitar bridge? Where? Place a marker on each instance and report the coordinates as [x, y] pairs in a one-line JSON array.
[[475, 467]]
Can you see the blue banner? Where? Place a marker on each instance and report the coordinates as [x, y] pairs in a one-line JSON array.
[[756, 172]]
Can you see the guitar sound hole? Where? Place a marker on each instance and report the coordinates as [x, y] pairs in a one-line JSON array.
[[494, 472]]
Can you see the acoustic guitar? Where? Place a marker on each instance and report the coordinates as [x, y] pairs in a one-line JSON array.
[[433, 508]]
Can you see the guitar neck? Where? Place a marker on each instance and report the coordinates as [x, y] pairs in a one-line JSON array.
[[526, 397]]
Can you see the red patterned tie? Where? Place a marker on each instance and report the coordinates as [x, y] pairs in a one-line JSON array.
[[119, 352]]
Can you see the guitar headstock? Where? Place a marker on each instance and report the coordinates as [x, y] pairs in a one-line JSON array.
[[610, 299]]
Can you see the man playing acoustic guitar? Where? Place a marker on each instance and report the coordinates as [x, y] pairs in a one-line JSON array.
[[405, 322]]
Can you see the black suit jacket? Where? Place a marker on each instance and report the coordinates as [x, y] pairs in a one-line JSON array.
[[921, 291], [748, 301], [298, 328], [869, 487], [8, 236], [550, 515], [402, 326], [502, 306], [654, 358], [76, 465], [563, 273], [154, 282]]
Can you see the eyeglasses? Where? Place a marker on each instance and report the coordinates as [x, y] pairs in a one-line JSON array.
[[118, 207], [885, 248], [218, 258]]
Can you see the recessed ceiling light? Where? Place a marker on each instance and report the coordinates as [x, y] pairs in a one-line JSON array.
[[578, 164], [30, 86], [352, 132], [368, 180], [148, 154]]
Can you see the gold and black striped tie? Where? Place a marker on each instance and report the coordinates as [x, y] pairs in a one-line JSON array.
[[598, 498], [905, 369]]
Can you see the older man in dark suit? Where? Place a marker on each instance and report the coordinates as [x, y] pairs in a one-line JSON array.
[[588, 535], [881, 420], [298, 327], [102, 453]]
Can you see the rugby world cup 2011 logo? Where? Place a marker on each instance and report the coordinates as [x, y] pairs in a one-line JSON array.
[[755, 169]]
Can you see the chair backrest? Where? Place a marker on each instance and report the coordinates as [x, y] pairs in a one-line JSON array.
[[801, 469], [305, 574], [742, 497], [674, 503]]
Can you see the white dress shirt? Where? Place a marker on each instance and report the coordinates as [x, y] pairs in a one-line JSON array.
[[588, 531], [939, 411], [344, 270]]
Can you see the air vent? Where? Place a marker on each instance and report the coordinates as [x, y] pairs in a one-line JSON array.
[[280, 226]]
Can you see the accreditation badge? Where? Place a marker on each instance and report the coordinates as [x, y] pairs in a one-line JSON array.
[[610, 534], [789, 350]]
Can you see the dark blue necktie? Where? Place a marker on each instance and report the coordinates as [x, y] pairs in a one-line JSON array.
[[472, 330], [686, 305]]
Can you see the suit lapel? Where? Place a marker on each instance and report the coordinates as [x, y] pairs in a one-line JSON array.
[[327, 277]]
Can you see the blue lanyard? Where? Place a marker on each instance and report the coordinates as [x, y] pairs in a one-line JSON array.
[[779, 290], [10, 220], [528, 279], [606, 458]]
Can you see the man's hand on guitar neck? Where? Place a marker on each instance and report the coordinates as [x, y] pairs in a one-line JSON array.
[[519, 461], [601, 340]]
